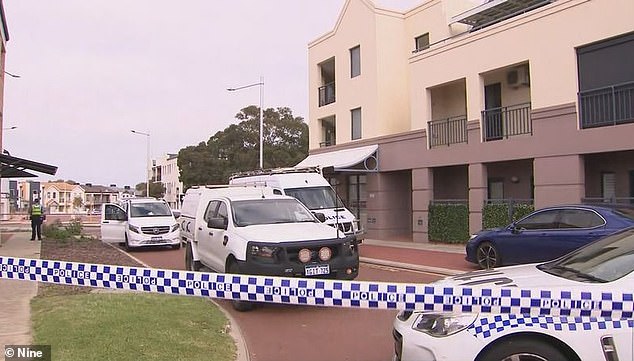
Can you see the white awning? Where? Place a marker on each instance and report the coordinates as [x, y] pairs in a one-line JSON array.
[[361, 159]]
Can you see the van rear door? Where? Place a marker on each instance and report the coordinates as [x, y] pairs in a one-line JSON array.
[[114, 221]]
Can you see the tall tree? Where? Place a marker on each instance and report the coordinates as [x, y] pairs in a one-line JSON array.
[[157, 189], [237, 148]]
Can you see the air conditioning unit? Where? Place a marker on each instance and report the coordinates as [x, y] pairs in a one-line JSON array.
[[518, 77]]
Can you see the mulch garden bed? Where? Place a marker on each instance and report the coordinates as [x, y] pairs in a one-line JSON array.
[[88, 250]]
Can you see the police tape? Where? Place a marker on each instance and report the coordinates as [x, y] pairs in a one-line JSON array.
[[592, 302]]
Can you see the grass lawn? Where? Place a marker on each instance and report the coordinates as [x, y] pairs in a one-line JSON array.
[[131, 326]]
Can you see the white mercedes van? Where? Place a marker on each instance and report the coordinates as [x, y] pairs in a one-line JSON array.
[[139, 222], [308, 186]]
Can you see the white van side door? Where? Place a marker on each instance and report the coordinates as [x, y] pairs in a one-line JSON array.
[[114, 221], [204, 236]]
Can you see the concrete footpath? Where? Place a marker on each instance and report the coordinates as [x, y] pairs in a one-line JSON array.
[[15, 296]]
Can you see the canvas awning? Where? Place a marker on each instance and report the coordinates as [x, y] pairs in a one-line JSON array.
[[360, 159], [14, 167]]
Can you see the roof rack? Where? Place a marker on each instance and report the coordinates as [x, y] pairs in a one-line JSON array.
[[272, 171], [215, 186]]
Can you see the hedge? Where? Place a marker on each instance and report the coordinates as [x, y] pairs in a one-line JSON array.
[[497, 214], [449, 223]]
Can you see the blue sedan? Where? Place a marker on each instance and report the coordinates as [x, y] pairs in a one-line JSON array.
[[546, 234]]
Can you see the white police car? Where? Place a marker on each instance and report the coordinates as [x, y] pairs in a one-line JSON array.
[[604, 266]]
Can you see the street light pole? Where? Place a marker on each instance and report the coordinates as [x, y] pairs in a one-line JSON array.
[[147, 183], [261, 85]]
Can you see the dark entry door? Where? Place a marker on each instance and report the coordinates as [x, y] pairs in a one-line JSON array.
[[493, 124]]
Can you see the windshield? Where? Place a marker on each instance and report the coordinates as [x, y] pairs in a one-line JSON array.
[[150, 209], [315, 197], [269, 211], [605, 260]]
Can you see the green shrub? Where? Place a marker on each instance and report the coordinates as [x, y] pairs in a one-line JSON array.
[[449, 223], [56, 230], [74, 226], [497, 214]]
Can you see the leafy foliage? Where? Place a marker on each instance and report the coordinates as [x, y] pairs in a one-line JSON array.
[[497, 214], [449, 223], [57, 230], [157, 189], [237, 148]]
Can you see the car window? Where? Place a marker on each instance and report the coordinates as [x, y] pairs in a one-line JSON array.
[[210, 212], [149, 209], [539, 220], [625, 212], [114, 213], [315, 197], [605, 260], [222, 211], [579, 218], [269, 211]]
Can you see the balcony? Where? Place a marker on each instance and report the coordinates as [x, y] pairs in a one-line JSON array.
[[504, 122], [327, 94], [607, 106], [448, 131]]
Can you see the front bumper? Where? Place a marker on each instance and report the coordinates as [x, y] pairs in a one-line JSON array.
[[344, 263], [145, 240]]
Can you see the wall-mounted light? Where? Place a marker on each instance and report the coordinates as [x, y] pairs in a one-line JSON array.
[[515, 179]]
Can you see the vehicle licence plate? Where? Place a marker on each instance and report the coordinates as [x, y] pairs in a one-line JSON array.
[[315, 270], [156, 239]]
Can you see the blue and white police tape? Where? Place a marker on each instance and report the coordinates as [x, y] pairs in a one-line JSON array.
[[593, 302]]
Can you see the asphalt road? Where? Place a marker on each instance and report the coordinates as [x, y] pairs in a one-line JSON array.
[[290, 333]]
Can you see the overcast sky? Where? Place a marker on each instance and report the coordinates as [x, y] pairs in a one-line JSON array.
[[93, 70]]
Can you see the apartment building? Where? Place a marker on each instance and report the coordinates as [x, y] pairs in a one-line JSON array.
[[62, 197], [473, 101], [165, 170]]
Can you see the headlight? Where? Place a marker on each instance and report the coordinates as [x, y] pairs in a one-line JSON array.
[[134, 229], [473, 236], [443, 324], [263, 251], [404, 315], [175, 227]]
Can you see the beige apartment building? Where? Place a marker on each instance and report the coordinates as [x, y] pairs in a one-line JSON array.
[[473, 101], [165, 170]]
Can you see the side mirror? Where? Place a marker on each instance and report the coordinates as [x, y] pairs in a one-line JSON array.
[[513, 228], [217, 223], [320, 216]]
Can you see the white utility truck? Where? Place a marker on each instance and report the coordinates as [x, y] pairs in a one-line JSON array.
[[310, 187], [139, 222], [251, 230]]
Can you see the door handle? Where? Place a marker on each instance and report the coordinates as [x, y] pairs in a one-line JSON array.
[[200, 228], [106, 222], [211, 233]]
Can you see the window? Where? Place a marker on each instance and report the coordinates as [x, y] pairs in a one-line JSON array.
[[356, 123], [540, 220], [422, 42], [355, 61], [579, 218], [496, 188], [211, 210]]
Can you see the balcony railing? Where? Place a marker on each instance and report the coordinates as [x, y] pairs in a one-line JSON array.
[[504, 122], [448, 131], [327, 143], [327, 94], [607, 106]]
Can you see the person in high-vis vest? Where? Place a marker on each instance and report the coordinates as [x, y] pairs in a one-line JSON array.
[[36, 212]]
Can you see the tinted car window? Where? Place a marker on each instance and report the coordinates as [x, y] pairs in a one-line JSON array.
[[211, 210], [579, 218], [222, 211], [541, 220]]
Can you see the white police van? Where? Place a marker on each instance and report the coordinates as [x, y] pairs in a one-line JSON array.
[[604, 266], [251, 230], [310, 187], [139, 222]]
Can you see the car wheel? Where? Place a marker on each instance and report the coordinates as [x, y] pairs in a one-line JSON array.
[[240, 306], [523, 350], [487, 255], [190, 264]]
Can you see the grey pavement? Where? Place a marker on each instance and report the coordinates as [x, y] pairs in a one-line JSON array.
[[15, 296]]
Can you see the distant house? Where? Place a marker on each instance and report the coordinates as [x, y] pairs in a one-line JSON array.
[[59, 197], [96, 195]]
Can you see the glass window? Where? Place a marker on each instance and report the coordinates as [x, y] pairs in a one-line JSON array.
[[608, 186], [269, 211], [114, 213], [579, 218], [422, 42], [355, 61], [222, 211], [539, 220], [210, 212], [356, 123], [150, 209], [315, 197]]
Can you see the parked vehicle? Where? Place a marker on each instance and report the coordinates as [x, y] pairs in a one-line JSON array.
[[546, 234], [310, 187], [605, 265], [251, 230], [139, 222]]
